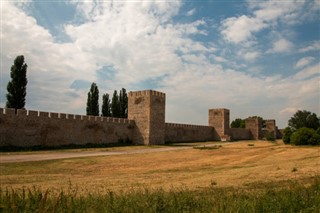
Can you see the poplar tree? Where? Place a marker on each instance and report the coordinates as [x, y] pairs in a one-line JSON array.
[[115, 105], [106, 105], [123, 99], [16, 96], [93, 100]]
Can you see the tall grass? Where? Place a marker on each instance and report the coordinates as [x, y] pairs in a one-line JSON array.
[[292, 197]]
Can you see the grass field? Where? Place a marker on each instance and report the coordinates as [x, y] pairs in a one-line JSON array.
[[237, 165], [239, 177]]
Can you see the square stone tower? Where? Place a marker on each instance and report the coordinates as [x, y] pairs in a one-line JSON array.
[[254, 125], [220, 119], [147, 109]]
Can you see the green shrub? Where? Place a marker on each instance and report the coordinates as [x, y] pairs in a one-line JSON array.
[[270, 136], [305, 136], [286, 135]]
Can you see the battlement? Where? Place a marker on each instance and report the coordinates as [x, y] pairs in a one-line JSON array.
[[61, 116], [184, 125], [145, 125], [147, 93]]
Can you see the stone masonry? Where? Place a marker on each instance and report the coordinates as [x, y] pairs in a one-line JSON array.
[[145, 125]]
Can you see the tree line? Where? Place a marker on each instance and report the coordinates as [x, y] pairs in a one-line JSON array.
[[116, 107]]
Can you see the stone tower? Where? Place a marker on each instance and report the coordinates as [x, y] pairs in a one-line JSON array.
[[147, 109], [254, 125], [220, 119]]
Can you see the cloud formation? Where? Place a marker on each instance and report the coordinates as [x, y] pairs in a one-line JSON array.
[[138, 45]]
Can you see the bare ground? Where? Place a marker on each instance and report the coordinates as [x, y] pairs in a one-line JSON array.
[[235, 164]]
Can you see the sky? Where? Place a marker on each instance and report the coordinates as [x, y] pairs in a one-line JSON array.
[[252, 57]]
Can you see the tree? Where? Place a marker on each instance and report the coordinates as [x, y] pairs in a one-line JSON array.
[[238, 123], [305, 136], [93, 100], [123, 103], [287, 132], [115, 105], [304, 119], [16, 97], [106, 105]]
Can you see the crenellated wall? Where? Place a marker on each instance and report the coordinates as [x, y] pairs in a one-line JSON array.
[[187, 133], [33, 128], [145, 125]]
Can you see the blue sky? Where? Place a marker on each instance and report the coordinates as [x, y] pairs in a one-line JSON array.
[[253, 57]]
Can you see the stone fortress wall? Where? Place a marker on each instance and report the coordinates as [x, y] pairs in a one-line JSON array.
[[145, 125]]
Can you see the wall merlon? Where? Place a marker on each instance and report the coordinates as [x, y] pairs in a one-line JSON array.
[[44, 114], [22, 112], [77, 117], [32, 113], [54, 115], [10, 111]]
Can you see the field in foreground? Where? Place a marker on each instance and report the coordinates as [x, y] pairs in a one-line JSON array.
[[238, 164], [254, 176]]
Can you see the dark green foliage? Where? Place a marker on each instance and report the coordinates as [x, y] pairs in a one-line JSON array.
[[93, 100], [106, 105], [294, 197], [305, 136], [115, 105], [16, 96], [270, 136], [304, 119], [123, 103], [238, 123], [286, 135]]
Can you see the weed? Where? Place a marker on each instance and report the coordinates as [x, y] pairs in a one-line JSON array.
[[251, 144], [294, 169], [294, 197]]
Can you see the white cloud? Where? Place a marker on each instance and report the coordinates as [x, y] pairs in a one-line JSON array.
[[314, 46], [191, 12], [141, 42], [308, 72], [281, 46], [304, 62], [251, 56], [240, 29]]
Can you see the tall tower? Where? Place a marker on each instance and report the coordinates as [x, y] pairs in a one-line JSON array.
[[147, 109], [254, 125], [220, 119]]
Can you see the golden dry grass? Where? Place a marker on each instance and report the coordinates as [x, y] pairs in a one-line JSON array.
[[238, 164]]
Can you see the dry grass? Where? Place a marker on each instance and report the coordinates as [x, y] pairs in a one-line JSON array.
[[231, 165]]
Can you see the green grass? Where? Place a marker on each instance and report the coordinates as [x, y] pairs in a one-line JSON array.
[[289, 197]]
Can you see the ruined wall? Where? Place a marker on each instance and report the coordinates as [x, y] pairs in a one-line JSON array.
[[187, 133], [240, 134], [33, 128], [147, 109]]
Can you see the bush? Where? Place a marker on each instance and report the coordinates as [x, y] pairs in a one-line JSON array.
[[305, 136], [286, 135], [270, 136]]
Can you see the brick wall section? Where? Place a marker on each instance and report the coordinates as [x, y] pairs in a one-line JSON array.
[[147, 109], [31, 128], [187, 133], [240, 134]]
